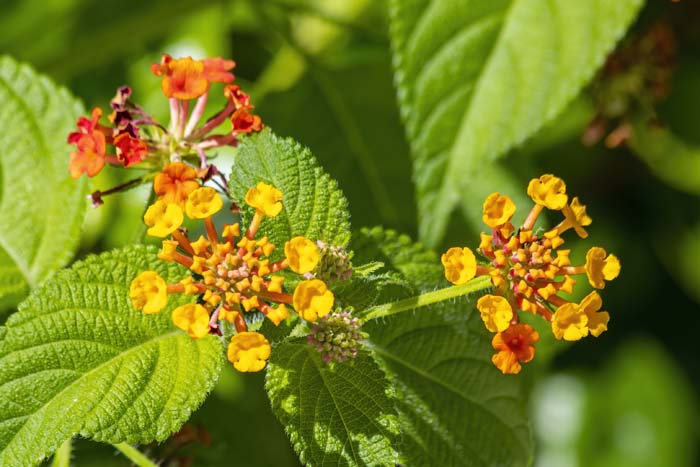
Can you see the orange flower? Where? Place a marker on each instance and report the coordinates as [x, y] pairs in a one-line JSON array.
[[245, 122], [514, 347], [216, 69], [130, 150], [183, 78], [91, 143], [175, 183]]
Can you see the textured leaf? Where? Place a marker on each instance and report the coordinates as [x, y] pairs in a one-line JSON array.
[[313, 204], [669, 158], [40, 205], [476, 78], [418, 265], [338, 415], [77, 359], [456, 408]]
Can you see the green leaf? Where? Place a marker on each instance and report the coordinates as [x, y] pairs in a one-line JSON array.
[[335, 415], [41, 207], [672, 160], [455, 407], [77, 359], [418, 265], [313, 204], [477, 78]]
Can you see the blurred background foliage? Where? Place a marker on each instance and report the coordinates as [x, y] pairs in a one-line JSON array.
[[320, 71]]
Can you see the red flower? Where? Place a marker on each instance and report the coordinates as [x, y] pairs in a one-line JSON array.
[[245, 122], [237, 97], [91, 143], [130, 150]]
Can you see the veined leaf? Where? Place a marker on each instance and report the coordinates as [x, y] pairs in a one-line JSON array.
[[455, 407], [77, 359], [476, 78], [40, 205], [313, 204], [335, 415], [417, 264]]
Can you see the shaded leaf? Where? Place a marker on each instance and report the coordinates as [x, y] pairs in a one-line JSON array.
[[41, 206], [476, 78], [455, 407], [339, 415]]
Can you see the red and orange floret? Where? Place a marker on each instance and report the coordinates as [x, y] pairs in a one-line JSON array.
[[230, 272], [175, 154], [530, 271]]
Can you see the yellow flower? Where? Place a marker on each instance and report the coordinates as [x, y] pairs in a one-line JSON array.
[[575, 216], [312, 299], [148, 292], [202, 203], [162, 218], [265, 199], [167, 253], [460, 265], [601, 268], [496, 312], [248, 351], [597, 321], [498, 209], [548, 191], [302, 254], [192, 318], [279, 314], [570, 322]]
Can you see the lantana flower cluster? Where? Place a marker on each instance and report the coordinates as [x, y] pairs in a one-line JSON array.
[[230, 273], [529, 271], [177, 153]]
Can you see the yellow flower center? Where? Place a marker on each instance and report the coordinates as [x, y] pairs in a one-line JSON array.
[[266, 199], [312, 299], [302, 255], [202, 203], [148, 292], [248, 351], [496, 312], [192, 318], [460, 265], [548, 191], [163, 218], [601, 268], [497, 210]]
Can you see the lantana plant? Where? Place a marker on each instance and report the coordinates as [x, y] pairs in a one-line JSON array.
[[368, 343]]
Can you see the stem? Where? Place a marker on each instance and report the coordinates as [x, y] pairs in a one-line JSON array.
[[62, 456], [134, 455], [387, 309], [196, 113]]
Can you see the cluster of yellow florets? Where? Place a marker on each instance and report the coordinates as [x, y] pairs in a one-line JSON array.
[[528, 271], [231, 273]]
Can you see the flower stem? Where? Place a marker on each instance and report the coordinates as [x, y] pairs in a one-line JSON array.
[[134, 455], [428, 298], [62, 456]]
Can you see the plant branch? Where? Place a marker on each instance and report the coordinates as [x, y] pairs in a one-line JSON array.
[[428, 298], [134, 455]]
